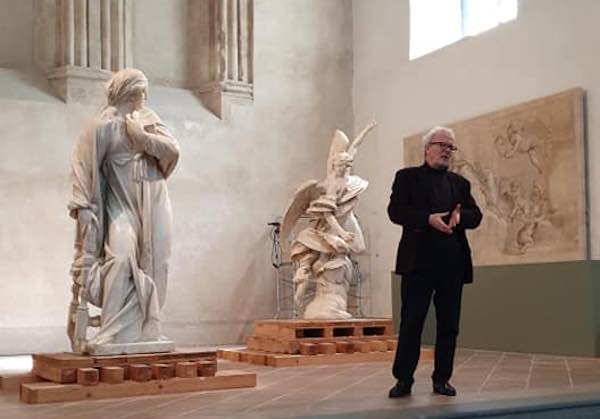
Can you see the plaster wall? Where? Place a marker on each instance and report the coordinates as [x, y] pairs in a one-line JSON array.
[[16, 29], [234, 175], [548, 48]]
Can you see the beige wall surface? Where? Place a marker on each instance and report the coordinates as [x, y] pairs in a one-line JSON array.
[[550, 47], [233, 177], [16, 25]]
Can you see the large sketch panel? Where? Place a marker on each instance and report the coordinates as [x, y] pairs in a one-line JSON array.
[[526, 168]]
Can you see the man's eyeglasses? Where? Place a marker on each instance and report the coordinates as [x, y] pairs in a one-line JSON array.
[[447, 146]]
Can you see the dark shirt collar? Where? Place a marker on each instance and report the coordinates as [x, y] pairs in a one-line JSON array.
[[433, 171]]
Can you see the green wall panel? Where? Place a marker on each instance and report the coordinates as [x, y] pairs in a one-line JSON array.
[[549, 308]]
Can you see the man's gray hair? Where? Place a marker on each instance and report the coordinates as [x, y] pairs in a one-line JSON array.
[[430, 134]]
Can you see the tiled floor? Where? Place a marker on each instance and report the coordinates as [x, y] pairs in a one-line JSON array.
[[480, 376]]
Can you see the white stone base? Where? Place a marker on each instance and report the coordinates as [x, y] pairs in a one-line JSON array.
[[132, 348]]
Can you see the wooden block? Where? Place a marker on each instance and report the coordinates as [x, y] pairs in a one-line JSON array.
[[12, 382], [344, 347], [126, 374], [207, 368], [88, 376], [243, 356], [378, 346], [327, 348], [257, 358], [186, 369], [163, 371], [46, 392], [391, 344], [362, 346], [309, 349], [140, 372], [292, 347], [112, 374]]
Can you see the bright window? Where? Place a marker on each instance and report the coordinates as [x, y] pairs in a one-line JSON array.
[[437, 23]]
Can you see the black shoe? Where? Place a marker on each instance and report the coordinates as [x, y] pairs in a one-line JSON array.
[[444, 388], [401, 389]]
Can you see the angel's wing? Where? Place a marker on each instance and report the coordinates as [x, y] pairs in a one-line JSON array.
[[303, 196]]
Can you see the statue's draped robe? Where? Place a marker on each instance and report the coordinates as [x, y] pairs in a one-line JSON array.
[[123, 257]]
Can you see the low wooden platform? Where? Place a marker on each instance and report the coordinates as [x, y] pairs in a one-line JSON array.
[[62, 367], [48, 392], [286, 343], [61, 377]]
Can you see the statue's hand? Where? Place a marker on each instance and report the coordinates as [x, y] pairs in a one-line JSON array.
[[135, 131], [339, 244], [347, 236], [85, 216]]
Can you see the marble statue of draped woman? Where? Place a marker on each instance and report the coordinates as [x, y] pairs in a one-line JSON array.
[[119, 168]]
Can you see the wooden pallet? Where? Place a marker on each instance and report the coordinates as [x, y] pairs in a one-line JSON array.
[[300, 329], [287, 360], [288, 336], [286, 343], [62, 367], [48, 392], [67, 377]]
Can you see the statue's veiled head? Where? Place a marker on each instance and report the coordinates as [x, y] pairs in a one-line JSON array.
[[127, 86]]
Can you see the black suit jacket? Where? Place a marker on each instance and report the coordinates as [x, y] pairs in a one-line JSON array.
[[410, 207]]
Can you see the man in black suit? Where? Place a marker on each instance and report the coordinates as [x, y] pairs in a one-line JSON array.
[[434, 206]]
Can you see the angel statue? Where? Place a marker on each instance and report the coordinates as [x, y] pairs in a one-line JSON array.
[[120, 202], [320, 251]]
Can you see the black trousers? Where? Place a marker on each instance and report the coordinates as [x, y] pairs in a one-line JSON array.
[[416, 292]]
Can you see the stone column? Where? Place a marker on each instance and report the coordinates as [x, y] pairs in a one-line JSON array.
[[221, 60], [91, 44]]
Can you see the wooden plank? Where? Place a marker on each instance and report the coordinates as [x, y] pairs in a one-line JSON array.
[[63, 359], [34, 393], [56, 374], [344, 358], [284, 360]]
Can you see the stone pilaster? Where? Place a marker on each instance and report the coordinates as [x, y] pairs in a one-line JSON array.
[[91, 44], [222, 61]]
